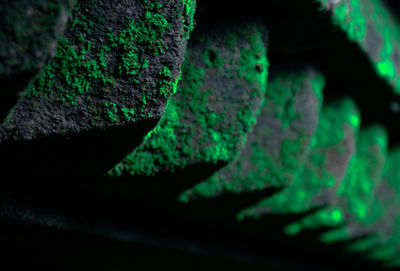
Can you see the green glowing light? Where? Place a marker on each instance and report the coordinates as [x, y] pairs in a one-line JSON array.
[[337, 215], [355, 120]]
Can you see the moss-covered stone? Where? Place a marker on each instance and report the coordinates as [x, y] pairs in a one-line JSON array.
[[324, 168], [117, 64], [222, 87], [372, 25], [356, 194], [382, 241], [351, 207], [278, 144]]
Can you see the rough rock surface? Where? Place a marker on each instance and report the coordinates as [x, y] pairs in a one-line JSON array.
[[320, 175], [117, 64], [223, 85], [354, 198], [278, 144], [29, 30], [382, 231]]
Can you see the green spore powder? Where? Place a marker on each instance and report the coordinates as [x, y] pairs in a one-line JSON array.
[[364, 21], [256, 167], [314, 177], [191, 128]]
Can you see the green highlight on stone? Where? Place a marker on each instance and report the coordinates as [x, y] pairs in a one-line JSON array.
[[323, 170], [351, 206], [277, 146], [383, 227], [78, 65], [376, 30], [218, 98], [114, 67]]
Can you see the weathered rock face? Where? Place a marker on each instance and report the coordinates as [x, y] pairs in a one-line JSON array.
[[319, 173], [381, 241], [116, 64], [352, 201], [29, 30], [223, 85], [355, 195], [276, 147], [115, 67]]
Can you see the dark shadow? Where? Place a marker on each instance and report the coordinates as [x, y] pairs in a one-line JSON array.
[[11, 87], [394, 6], [85, 154]]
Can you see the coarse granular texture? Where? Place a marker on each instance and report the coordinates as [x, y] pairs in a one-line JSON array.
[[219, 96], [117, 64]]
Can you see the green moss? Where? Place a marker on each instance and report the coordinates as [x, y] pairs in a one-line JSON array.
[[112, 111], [168, 87], [186, 15], [140, 36], [355, 194], [383, 218], [79, 65], [259, 165], [366, 172], [160, 145], [315, 175], [196, 127], [69, 68], [188, 20], [72, 71], [81, 22]]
